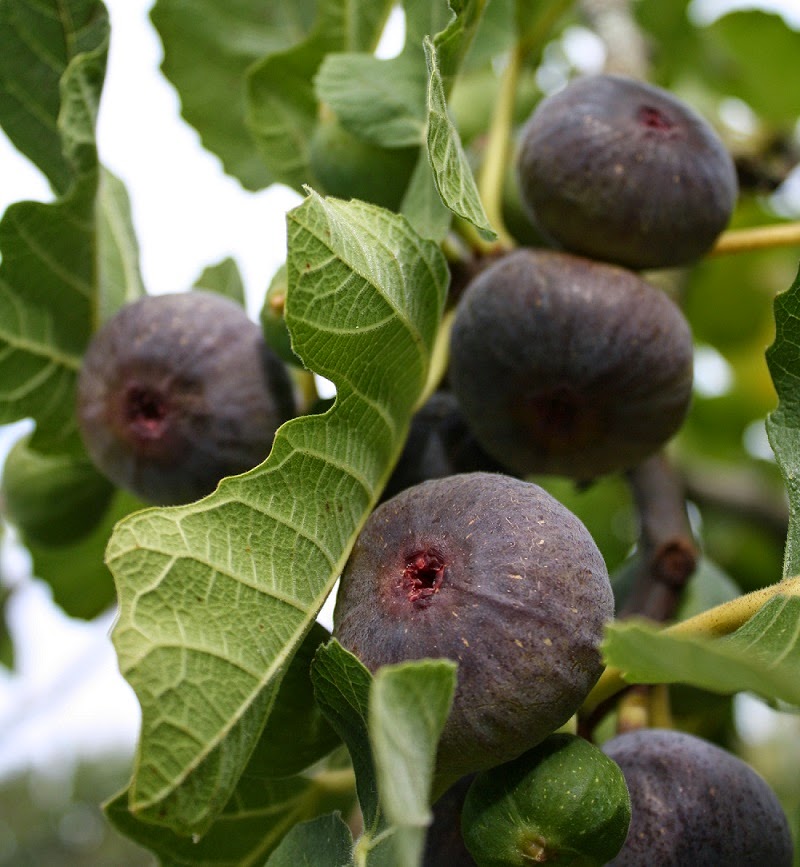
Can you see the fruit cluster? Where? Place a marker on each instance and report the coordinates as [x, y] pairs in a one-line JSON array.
[[562, 361]]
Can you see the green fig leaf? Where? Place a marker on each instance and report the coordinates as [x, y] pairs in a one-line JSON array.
[[282, 105], [761, 657], [322, 842], [391, 724], [297, 733], [380, 101], [564, 803], [208, 49], [408, 706], [452, 174], [67, 264], [423, 206], [216, 596], [783, 425], [341, 685], [251, 826], [224, 279]]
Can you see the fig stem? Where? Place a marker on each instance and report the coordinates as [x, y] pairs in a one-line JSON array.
[[490, 181], [440, 358], [667, 552], [717, 621], [757, 238]]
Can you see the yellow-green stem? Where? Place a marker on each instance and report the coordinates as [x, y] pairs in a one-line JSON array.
[[492, 174], [720, 620], [757, 238]]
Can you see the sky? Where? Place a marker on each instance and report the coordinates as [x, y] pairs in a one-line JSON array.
[[67, 697]]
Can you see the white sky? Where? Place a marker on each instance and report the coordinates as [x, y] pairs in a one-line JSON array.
[[67, 698]]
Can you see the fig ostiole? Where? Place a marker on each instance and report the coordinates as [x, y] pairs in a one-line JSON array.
[[495, 574]]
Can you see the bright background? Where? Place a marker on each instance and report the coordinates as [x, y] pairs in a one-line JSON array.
[[66, 699]]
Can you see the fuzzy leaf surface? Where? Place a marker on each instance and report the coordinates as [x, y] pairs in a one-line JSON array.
[[224, 279], [762, 656], [216, 596]]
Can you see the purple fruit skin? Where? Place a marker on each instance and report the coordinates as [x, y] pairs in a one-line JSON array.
[[621, 170], [569, 366], [523, 599], [205, 393], [696, 805]]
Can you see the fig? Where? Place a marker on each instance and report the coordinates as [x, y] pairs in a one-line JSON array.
[[495, 574], [444, 843], [562, 803], [350, 168], [621, 170], [178, 391], [695, 804], [439, 443], [568, 366]]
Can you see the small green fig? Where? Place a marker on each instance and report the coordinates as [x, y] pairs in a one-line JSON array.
[[563, 803]]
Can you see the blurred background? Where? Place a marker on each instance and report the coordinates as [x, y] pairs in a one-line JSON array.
[[68, 721]]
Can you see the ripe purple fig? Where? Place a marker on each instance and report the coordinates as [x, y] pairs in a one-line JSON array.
[[495, 574], [694, 804], [568, 366], [621, 170], [178, 391]]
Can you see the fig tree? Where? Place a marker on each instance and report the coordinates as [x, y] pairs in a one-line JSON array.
[[568, 366], [696, 805], [178, 391], [621, 170], [494, 573]]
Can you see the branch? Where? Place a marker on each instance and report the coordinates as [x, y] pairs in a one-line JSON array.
[[666, 547], [757, 238]]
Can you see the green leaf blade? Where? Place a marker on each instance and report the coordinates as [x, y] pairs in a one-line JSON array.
[[761, 657], [222, 591], [452, 174]]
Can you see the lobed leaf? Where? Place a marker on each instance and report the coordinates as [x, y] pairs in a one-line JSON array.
[[281, 102], [208, 49], [763, 656], [67, 264], [216, 596]]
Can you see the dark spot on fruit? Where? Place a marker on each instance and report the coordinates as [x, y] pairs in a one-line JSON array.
[[653, 118], [423, 575], [146, 411]]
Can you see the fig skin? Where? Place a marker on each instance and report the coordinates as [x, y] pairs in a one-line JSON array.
[[495, 574], [444, 843], [621, 170], [178, 391], [567, 366], [696, 805]]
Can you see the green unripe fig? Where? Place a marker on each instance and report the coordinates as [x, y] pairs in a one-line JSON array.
[[177, 392], [694, 804], [562, 803], [493, 573], [620, 170], [53, 499], [351, 168], [568, 366]]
